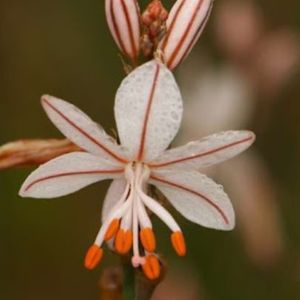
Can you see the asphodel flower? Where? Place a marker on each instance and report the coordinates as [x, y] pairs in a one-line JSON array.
[[148, 112]]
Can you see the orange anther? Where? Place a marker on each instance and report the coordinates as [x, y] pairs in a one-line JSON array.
[[148, 239], [123, 241], [112, 229], [93, 257], [178, 243], [151, 267]]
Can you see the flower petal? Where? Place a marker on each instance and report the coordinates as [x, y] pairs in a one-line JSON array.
[[113, 195], [196, 197], [206, 152], [67, 174], [81, 130], [148, 110]]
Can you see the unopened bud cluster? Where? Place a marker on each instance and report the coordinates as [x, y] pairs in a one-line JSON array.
[[154, 27], [155, 32]]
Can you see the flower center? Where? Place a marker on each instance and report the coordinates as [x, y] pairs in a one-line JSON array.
[[137, 175], [128, 225]]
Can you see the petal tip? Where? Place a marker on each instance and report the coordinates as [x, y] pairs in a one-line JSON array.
[[230, 226], [249, 134], [252, 135], [22, 193], [45, 98]]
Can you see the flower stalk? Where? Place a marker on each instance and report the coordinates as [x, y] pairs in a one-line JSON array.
[[148, 111], [33, 152]]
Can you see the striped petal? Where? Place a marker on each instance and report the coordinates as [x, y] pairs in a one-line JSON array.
[[81, 130], [123, 21], [67, 174], [196, 197], [185, 24], [148, 110], [208, 151]]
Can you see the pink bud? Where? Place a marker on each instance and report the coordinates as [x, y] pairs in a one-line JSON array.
[[185, 24], [123, 18]]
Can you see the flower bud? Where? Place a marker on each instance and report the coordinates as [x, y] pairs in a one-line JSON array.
[[153, 23], [185, 24], [154, 12], [123, 18]]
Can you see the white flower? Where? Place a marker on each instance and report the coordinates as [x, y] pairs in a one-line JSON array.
[[148, 111]]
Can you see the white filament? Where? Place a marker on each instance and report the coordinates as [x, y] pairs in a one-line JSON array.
[[116, 214], [131, 209]]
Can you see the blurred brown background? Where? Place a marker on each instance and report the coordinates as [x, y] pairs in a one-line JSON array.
[[64, 48]]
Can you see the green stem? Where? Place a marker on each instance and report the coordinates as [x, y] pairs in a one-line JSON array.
[[129, 280]]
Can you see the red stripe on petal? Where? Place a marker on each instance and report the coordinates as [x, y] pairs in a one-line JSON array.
[[94, 172], [130, 30], [116, 29], [166, 40], [196, 35], [70, 122], [186, 189], [147, 114], [201, 154]]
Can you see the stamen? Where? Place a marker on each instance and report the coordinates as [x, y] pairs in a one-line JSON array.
[[148, 239], [155, 207], [151, 267], [147, 236], [126, 222], [112, 229], [160, 211], [117, 212], [178, 243], [93, 257], [123, 241], [142, 214], [135, 228]]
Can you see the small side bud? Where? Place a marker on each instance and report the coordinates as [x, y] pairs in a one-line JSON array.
[[185, 24], [154, 12], [123, 18]]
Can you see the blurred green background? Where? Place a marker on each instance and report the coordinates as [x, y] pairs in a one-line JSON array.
[[64, 48]]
